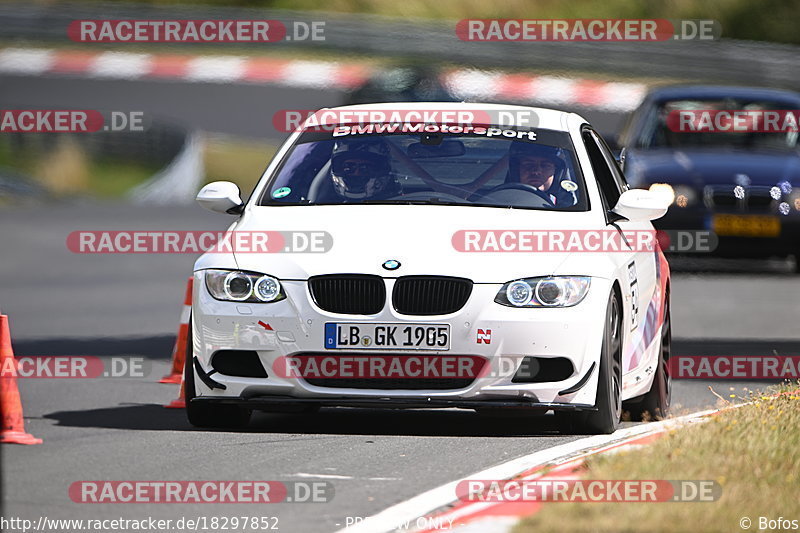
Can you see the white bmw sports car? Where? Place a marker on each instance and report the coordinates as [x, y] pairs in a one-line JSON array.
[[500, 265]]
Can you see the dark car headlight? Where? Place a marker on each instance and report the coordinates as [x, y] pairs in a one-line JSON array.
[[551, 291], [685, 196], [238, 286]]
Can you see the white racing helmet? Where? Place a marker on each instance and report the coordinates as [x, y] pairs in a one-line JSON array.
[[360, 168]]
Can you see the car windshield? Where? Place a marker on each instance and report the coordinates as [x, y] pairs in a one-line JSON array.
[[662, 128], [469, 165]]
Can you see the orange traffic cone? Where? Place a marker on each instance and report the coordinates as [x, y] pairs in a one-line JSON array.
[[180, 401], [13, 430], [179, 350]]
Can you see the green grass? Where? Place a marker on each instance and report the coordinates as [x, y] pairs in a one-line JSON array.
[[237, 160], [112, 179], [64, 169], [753, 452]]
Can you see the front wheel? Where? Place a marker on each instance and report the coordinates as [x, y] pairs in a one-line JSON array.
[[606, 418], [208, 415]]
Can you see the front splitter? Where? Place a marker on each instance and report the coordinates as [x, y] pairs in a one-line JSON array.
[[267, 402]]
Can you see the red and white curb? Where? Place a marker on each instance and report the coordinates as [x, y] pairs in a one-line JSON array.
[[441, 505], [200, 69], [465, 83], [546, 90]]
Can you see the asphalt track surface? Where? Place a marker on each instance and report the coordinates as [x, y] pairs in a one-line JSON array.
[[62, 303]]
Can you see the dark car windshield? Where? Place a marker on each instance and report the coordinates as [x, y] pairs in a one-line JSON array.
[[470, 165], [660, 126]]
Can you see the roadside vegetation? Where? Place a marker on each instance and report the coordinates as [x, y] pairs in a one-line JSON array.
[[63, 168], [753, 452], [237, 160]]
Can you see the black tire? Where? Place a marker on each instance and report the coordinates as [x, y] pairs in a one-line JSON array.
[[606, 418], [206, 415], [654, 405]]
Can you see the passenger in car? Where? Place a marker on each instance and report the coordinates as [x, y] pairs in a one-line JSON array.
[[542, 167]]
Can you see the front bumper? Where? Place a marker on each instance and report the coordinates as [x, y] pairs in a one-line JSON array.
[[297, 326]]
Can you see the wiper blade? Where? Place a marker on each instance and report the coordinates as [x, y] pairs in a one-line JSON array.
[[428, 201], [384, 202]]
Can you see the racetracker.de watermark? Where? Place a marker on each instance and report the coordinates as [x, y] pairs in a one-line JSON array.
[[380, 366], [349, 365], [734, 120], [687, 241], [734, 367], [194, 31], [587, 30], [144, 524], [510, 240], [589, 490], [75, 367], [70, 121], [136, 491], [198, 242], [390, 120]]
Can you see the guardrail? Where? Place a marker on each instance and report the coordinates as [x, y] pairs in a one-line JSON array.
[[739, 62]]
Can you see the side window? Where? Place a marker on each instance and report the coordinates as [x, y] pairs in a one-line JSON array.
[[619, 177], [609, 187]]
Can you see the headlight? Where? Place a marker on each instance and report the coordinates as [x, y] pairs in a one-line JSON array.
[[684, 196], [794, 199], [237, 286], [519, 293], [553, 291], [663, 190]]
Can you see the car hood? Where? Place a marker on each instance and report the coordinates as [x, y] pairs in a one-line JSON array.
[[711, 167], [419, 237]]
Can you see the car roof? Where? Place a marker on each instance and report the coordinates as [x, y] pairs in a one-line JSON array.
[[675, 92], [547, 118]]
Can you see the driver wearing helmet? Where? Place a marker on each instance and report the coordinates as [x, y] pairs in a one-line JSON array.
[[543, 168], [360, 169]]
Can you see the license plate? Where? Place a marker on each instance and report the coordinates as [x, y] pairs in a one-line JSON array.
[[363, 336], [746, 225]]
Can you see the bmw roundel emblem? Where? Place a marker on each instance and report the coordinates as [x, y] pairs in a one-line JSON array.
[[391, 264]]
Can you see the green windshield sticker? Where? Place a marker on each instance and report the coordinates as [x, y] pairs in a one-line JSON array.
[[283, 191]]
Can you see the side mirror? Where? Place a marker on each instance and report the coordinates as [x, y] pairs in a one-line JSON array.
[[639, 204], [221, 197], [619, 155]]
